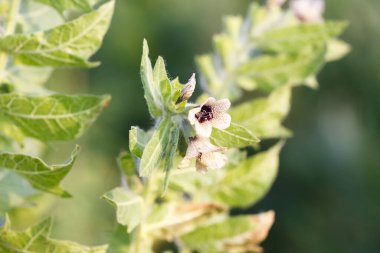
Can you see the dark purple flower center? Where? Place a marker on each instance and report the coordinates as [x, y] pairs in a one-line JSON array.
[[205, 114]]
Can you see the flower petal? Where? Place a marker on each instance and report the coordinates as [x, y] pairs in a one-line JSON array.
[[192, 149], [203, 129], [185, 163], [221, 105], [213, 160], [203, 145], [221, 121], [308, 10], [191, 115], [200, 167], [210, 101]]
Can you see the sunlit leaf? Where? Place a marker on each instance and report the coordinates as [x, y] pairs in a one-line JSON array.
[[169, 154], [62, 5], [250, 180], [263, 116], [161, 80], [55, 117], [68, 45], [270, 72], [138, 139], [155, 148], [337, 49], [40, 175], [235, 136], [293, 38], [36, 240], [232, 234], [129, 207], [151, 88]]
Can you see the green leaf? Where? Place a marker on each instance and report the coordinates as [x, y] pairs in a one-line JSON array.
[[40, 175], [235, 136], [269, 72], [161, 80], [249, 181], [337, 49], [191, 181], [235, 234], [212, 75], [119, 241], [129, 207], [36, 17], [263, 116], [68, 45], [292, 39], [36, 240], [151, 88], [155, 149], [138, 139], [127, 165], [55, 117], [170, 152], [12, 132], [62, 5]]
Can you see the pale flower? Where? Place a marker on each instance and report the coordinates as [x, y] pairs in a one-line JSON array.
[[308, 11], [208, 156], [211, 113]]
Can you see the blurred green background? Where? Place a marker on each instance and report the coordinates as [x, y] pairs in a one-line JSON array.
[[326, 196]]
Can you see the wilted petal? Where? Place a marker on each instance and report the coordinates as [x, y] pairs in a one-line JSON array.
[[200, 166], [221, 106], [213, 160], [222, 121], [203, 129], [185, 163]]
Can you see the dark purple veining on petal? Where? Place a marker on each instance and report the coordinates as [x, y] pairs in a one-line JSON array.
[[205, 114]]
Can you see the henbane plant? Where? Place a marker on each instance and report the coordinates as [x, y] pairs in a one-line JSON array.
[[201, 158]]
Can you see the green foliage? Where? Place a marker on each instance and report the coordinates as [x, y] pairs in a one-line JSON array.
[[250, 180], [36, 240], [128, 205], [50, 118], [31, 113], [268, 53], [155, 149], [63, 5], [68, 45], [37, 173], [137, 141], [272, 52], [235, 136], [263, 116]]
